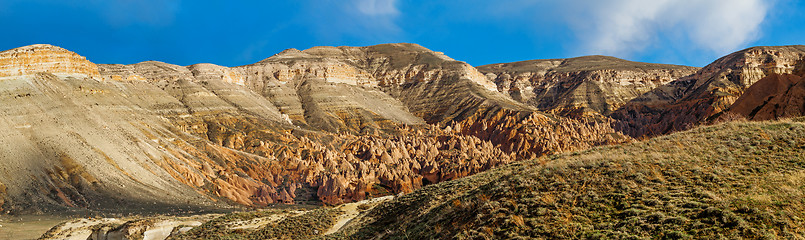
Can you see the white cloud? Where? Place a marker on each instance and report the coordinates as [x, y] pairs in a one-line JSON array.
[[377, 7], [624, 27], [373, 20]]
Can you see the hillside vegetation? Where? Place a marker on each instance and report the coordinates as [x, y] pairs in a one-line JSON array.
[[728, 181], [733, 180]]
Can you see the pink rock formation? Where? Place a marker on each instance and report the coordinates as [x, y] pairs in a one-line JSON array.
[[773, 97]]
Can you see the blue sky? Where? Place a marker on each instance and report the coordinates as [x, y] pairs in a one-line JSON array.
[[184, 32]]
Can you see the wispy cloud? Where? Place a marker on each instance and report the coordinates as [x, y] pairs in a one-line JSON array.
[[357, 19], [377, 7], [137, 12], [625, 27]]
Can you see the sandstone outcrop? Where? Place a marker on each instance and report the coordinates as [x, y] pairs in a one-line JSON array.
[[44, 58], [528, 135], [325, 93], [583, 86], [693, 100], [325, 125], [773, 97], [346, 168]]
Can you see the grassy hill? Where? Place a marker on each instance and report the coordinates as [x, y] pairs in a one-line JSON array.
[[727, 181], [733, 180]]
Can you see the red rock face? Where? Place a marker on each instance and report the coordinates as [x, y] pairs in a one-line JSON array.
[[698, 98], [529, 135], [347, 168], [773, 97]]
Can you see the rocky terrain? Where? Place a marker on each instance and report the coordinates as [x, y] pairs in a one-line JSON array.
[[773, 97], [335, 125], [646, 100], [728, 181], [732, 180], [327, 125], [701, 97], [582, 86], [44, 58]]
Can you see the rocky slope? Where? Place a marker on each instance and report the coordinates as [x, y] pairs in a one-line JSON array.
[[447, 92], [426, 82], [727, 181], [773, 97], [733, 181], [581, 86], [695, 99], [325, 125]]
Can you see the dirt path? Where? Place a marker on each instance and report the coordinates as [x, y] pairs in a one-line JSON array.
[[351, 211]]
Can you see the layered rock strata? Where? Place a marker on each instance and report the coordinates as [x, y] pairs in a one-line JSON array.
[[44, 58], [583, 86], [693, 100], [325, 125]]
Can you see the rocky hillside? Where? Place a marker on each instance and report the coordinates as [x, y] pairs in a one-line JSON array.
[[646, 100], [773, 97], [325, 125], [728, 181], [733, 181], [696, 99], [582, 86], [330, 125]]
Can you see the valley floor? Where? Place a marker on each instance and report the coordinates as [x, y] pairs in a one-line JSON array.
[[28, 226], [203, 226]]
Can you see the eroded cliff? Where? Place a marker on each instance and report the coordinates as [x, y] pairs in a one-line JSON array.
[[583, 86], [693, 100], [325, 125], [44, 58]]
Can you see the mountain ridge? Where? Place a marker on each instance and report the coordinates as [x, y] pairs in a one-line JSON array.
[[331, 125], [582, 86], [334, 125], [696, 99], [326, 129]]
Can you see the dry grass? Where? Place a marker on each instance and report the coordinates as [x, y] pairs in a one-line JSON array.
[[727, 181], [311, 223], [733, 180]]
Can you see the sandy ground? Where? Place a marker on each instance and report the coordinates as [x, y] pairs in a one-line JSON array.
[[163, 229], [81, 228], [32, 227], [27, 227]]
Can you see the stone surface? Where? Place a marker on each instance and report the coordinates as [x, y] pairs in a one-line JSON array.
[[325, 125], [44, 58], [693, 100], [325, 93], [773, 97], [581, 86]]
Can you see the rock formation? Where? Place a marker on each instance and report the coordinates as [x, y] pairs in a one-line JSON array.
[[773, 97], [328, 124], [334, 124], [44, 58], [325, 93], [583, 86], [693, 100]]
